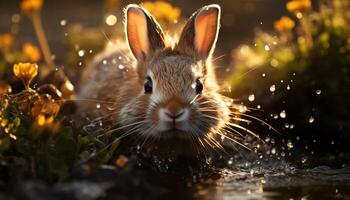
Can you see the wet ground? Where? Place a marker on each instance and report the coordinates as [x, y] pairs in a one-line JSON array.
[[261, 179]]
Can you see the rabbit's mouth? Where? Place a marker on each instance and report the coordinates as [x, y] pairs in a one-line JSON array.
[[172, 126]]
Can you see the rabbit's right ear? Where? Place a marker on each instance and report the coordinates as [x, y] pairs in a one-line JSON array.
[[144, 34], [200, 33]]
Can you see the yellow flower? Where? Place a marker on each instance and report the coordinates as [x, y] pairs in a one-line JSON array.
[[162, 10], [284, 24], [46, 124], [26, 72], [31, 5], [31, 52], [297, 6], [6, 40], [41, 120]]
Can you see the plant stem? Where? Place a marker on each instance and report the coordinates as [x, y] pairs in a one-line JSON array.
[[40, 33], [47, 159]]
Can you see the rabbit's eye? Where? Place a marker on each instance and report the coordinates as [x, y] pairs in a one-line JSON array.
[[199, 86], [148, 86]]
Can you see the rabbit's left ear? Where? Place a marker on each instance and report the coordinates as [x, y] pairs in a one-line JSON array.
[[200, 33]]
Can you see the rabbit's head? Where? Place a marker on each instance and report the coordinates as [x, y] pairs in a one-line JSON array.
[[177, 94]]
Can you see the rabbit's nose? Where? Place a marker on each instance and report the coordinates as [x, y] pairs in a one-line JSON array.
[[173, 111], [174, 115]]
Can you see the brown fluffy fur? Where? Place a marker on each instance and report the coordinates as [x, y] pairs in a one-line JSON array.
[[174, 70]]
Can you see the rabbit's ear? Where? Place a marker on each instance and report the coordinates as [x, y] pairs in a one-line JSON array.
[[200, 32], [144, 34]]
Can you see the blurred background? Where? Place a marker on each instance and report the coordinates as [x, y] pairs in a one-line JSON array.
[[239, 21]]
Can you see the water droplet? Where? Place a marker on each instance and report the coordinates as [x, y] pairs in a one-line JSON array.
[[90, 51], [311, 119], [230, 162], [286, 125], [288, 87], [303, 160], [274, 63], [263, 75], [63, 22], [111, 20], [290, 145], [267, 48], [273, 150], [318, 92], [121, 67], [81, 53], [275, 116], [98, 106], [272, 88], [283, 114], [104, 62], [258, 106], [332, 142], [251, 98], [291, 126]]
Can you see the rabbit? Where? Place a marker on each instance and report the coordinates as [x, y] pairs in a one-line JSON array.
[[159, 91]]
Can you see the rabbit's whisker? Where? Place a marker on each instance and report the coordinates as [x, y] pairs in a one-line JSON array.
[[246, 130], [259, 120], [234, 141], [123, 127]]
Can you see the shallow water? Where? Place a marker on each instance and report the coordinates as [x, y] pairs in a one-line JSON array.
[[277, 180], [272, 178]]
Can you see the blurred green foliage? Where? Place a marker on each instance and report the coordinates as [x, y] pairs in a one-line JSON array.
[[309, 65]]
